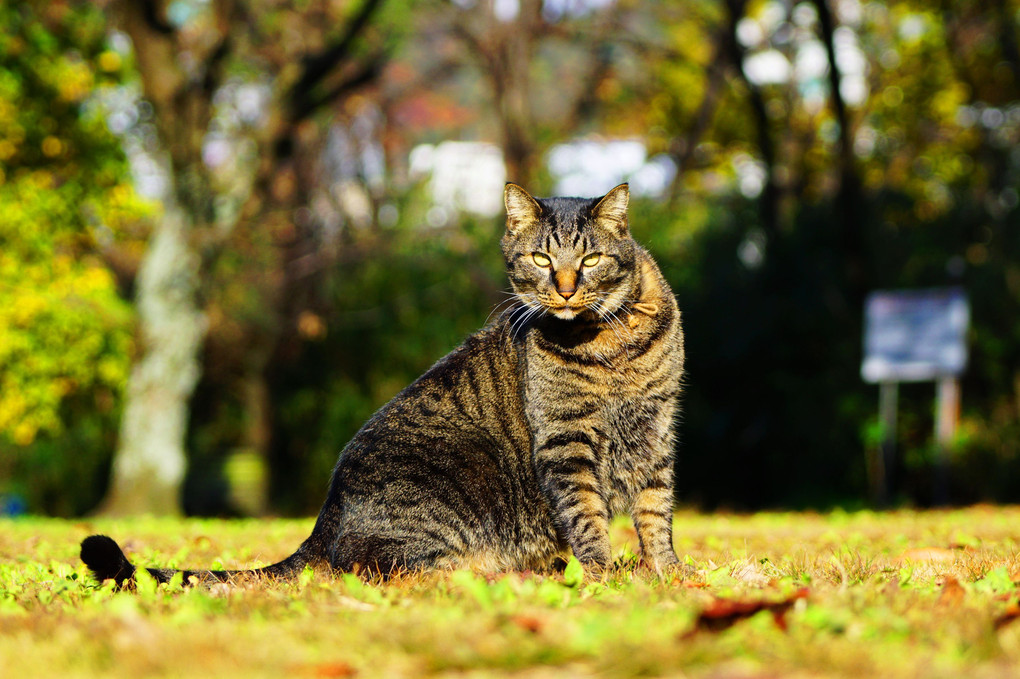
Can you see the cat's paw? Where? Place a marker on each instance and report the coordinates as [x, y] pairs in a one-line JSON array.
[[596, 566], [669, 568]]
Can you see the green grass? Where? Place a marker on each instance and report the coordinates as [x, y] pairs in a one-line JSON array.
[[901, 594]]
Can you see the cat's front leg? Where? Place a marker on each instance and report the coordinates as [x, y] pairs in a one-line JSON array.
[[653, 519], [567, 473]]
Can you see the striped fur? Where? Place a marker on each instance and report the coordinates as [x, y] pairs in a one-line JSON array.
[[526, 439]]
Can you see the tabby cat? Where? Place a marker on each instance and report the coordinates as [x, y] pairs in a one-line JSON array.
[[528, 437]]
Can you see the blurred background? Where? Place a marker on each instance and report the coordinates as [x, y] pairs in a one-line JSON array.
[[232, 229]]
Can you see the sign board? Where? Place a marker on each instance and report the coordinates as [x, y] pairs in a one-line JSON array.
[[915, 335]]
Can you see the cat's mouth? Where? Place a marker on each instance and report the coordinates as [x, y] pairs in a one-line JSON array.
[[567, 312]]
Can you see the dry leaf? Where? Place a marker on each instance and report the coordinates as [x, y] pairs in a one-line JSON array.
[[528, 623], [751, 573], [690, 584], [1011, 613], [329, 669], [722, 613], [936, 554], [952, 593], [350, 602]]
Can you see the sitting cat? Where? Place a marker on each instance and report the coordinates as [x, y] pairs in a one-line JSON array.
[[525, 439]]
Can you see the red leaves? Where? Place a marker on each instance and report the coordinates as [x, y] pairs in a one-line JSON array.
[[952, 593], [329, 670], [528, 623], [1011, 613], [720, 614]]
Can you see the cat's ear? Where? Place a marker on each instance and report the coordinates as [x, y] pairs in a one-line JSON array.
[[522, 211], [610, 212]]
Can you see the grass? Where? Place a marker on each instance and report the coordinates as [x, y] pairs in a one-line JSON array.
[[900, 594]]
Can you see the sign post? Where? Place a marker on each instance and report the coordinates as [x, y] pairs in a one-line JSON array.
[[915, 336], [884, 459]]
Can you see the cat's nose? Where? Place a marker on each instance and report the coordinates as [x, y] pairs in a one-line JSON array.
[[567, 294]]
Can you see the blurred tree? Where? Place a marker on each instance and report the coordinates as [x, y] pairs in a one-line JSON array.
[[184, 52], [888, 132], [544, 65], [823, 148], [65, 197]]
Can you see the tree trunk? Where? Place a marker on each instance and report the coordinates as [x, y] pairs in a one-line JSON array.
[[769, 200], [150, 461], [181, 69], [850, 199]]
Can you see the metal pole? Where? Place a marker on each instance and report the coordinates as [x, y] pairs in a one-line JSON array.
[[947, 415], [885, 461]]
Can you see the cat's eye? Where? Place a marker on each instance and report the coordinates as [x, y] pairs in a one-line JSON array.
[[541, 259], [591, 260]]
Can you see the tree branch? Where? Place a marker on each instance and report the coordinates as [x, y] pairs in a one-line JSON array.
[[849, 199], [317, 67], [153, 19], [715, 77], [364, 74], [770, 193]]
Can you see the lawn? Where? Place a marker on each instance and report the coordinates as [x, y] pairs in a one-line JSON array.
[[899, 594]]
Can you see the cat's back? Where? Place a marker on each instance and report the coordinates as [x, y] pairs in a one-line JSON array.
[[468, 404], [449, 456]]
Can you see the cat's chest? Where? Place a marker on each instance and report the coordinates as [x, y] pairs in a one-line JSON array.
[[604, 389]]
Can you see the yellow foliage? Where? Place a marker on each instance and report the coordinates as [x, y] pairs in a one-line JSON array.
[[24, 433], [110, 61], [74, 80], [945, 104], [52, 147], [63, 328]]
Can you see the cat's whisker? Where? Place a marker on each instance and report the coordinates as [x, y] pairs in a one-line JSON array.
[[523, 322], [619, 322], [602, 301], [612, 321], [528, 307], [519, 308], [511, 301]]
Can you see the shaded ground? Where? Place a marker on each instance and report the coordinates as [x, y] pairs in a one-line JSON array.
[[899, 594]]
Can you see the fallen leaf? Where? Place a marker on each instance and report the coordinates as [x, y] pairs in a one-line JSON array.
[[952, 593], [720, 614], [528, 623], [350, 602], [201, 541], [1011, 613], [220, 589], [691, 584], [750, 573], [937, 554], [329, 669]]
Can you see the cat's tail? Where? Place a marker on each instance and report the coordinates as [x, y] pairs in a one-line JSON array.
[[106, 560]]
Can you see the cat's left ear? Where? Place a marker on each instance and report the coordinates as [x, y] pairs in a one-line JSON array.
[[611, 211], [522, 211]]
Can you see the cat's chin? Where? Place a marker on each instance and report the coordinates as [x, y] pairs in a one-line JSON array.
[[566, 313]]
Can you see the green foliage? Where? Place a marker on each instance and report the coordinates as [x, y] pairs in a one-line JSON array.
[[774, 412], [65, 334], [408, 299], [573, 575]]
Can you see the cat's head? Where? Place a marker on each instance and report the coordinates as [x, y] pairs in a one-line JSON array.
[[569, 257]]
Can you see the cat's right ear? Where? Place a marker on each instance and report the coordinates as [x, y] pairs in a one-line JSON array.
[[522, 211]]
